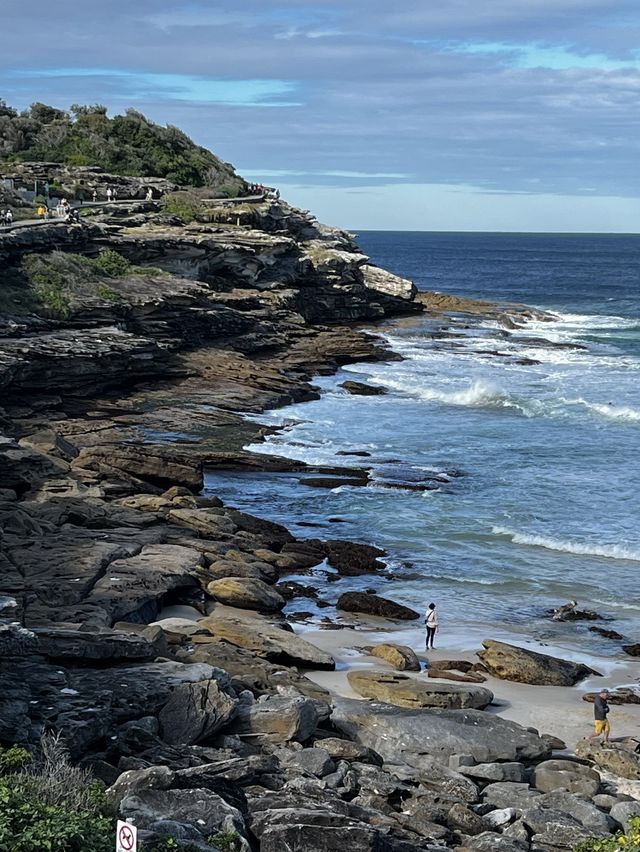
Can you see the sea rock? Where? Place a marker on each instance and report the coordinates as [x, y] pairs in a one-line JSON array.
[[246, 593], [398, 733], [362, 389], [401, 657], [405, 691], [570, 612], [194, 712], [281, 718], [160, 466], [566, 775], [351, 559], [633, 649], [371, 604], [510, 662], [268, 641]]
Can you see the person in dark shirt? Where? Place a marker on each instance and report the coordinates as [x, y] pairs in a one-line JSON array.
[[600, 713]]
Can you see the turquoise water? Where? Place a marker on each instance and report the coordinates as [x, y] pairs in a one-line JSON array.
[[534, 466]]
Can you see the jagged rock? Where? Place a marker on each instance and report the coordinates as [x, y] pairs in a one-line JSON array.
[[249, 671], [577, 807], [566, 775], [490, 842], [385, 282], [282, 718], [401, 657], [351, 559], [460, 818], [506, 794], [201, 808], [500, 817], [370, 604], [405, 691], [268, 641], [362, 389], [158, 466], [108, 646], [348, 750], [410, 735], [312, 761], [510, 662], [246, 593], [194, 712], [615, 757], [130, 782], [633, 650], [494, 772], [623, 812]]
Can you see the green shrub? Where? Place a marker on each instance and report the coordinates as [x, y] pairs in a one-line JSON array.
[[12, 759], [629, 842], [225, 841], [110, 263], [184, 205], [49, 285]]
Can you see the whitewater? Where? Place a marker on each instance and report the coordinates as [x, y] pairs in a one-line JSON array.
[[527, 438]]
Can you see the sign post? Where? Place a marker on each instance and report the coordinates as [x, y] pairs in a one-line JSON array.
[[126, 837]]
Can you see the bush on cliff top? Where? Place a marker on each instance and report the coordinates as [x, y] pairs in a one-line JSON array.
[[128, 144], [629, 842]]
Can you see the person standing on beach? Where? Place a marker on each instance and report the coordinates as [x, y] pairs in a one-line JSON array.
[[600, 713], [431, 624]]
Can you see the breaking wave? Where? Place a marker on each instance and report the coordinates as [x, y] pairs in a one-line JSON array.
[[608, 551]]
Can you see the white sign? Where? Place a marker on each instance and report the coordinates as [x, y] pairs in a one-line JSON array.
[[126, 837]]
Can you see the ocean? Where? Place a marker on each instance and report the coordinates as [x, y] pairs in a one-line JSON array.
[[529, 441]]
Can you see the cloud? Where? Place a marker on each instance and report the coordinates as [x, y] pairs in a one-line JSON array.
[[522, 99]]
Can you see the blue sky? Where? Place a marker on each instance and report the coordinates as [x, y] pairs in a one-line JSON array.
[[421, 114]]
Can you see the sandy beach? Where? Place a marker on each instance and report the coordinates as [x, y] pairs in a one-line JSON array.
[[550, 709]]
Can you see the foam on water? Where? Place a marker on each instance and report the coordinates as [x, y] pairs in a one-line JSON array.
[[606, 551]]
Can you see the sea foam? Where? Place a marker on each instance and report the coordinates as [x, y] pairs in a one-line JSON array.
[[608, 551]]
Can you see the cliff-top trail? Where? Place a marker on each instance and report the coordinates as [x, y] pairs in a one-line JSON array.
[[131, 344]]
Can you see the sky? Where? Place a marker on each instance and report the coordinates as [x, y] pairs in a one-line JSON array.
[[514, 115]]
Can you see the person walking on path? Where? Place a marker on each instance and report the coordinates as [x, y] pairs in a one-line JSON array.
[[109, 193], [431, 624], [600, 713]]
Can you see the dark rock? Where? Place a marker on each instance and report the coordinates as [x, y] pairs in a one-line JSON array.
[[362, 389], [633, 650], [352, 559], [194, 712], [364, 602], [603, 631]]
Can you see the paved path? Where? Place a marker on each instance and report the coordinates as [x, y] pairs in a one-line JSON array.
[[30, 223]]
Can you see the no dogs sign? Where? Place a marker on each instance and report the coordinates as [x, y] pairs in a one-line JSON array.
[[126, 837]]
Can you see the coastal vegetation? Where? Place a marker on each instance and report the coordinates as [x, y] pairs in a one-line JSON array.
[[128, 144]]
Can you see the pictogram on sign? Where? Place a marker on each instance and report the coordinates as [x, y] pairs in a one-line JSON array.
[[126, 837]]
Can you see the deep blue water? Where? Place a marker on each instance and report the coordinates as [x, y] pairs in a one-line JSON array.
[[545, 438]]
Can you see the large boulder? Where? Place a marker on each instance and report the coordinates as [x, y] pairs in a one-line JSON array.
[[246, 593], [370, 604], [406, 691], [510, 662], [400, 734], [202, 808], [280, 718], [267, 640], [401, 657], [566, 775], [195, 711], [624, 812], [351, 558], [616, 758]]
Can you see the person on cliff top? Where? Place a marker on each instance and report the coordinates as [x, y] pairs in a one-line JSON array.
[[431, 624], [600, 713]]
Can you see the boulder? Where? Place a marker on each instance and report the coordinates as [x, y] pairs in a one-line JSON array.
[[398, 733], [462, 819], [566, 775], [310, 761], [510, 662], [266, 640], [615, 758], [300, 837], [160, 466], [623, 812], [130, 782], [494, 772], [202, 808], [405, 691], [246, 593], [362, 389], [577, 807], [633, 649], [401, 657], [339, 749], [104, 645], [195, 711], [281, 718], [374, 605], [490, 842], [351, 559], [507, 794]]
